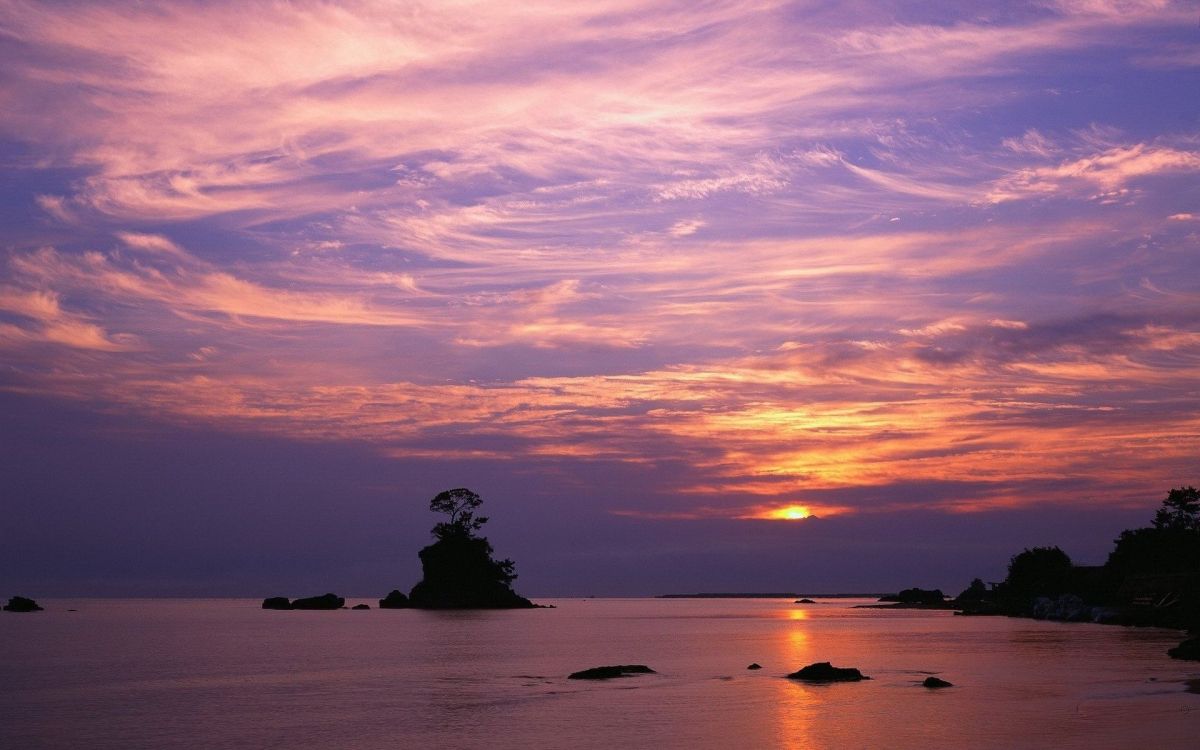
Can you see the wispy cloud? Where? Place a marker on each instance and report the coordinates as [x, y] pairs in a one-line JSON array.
[[1103, 175], [803, 251]]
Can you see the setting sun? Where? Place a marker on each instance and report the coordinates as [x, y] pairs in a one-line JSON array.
[[791, 513]]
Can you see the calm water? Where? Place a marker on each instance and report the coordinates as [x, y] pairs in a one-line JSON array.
[[225, 674]]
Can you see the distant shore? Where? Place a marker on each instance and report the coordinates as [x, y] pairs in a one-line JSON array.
[[767, 595]]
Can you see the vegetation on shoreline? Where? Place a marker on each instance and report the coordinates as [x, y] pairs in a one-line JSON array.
[[1152, 577]]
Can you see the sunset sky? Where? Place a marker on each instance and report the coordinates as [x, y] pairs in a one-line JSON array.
[[660, 281]]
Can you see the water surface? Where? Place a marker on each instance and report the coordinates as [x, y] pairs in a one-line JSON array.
[[223, 673]]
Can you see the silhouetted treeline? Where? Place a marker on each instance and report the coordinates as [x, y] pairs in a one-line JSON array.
[[1152, 576]]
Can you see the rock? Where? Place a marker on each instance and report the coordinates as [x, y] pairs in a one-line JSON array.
[[826, 672], [916, 596], [276, 602], [325, 601], [459, 573], [1189, 650], [1065, 608], [755, 665], [395, 600], [804, 601], [934, 682], [361, 606], [607, 673], [21, 604], [458, 570]]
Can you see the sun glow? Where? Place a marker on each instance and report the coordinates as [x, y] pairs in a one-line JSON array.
[[790, 513]]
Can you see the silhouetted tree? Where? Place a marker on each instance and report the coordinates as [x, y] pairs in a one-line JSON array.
[[1180, 511], [460, 505], [1040, 571], [1170, 546], [976, 592]]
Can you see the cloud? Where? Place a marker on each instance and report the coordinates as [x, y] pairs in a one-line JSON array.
[[194, 287], [154, 243], [685, 227], [1099, 175], [774, 254], [56, 206], [1032, 143], [44, 320]]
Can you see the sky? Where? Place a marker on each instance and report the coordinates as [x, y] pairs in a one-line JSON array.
[[699, 296]]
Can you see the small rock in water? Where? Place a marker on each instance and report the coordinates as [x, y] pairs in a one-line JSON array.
[[609, 672], [825, 672], [804, 601], [361, 606], [395, 600], [325, 601], [755, 665], [276, 602], [21, 604], [934, 682]]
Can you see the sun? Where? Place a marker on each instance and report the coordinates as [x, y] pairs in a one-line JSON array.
[[791, 513]]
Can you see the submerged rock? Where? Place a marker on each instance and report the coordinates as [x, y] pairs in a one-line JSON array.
[[609, 672], [325, 601], [395, 600], [755, 665], [21, 604], [804, 601], [935, 682], [1189, 650], [276, 602], [825, 672], [361, 606]]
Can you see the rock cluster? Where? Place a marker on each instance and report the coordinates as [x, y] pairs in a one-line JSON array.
[[825, 672], [325, 601]]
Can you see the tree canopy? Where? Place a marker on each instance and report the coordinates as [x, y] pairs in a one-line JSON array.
[[1170, 546], [459, 504], [1040, 571], [1180, 511]]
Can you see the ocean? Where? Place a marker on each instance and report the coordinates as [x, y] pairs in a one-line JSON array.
[[223, 673]]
